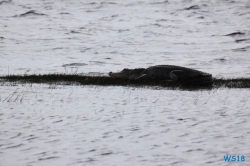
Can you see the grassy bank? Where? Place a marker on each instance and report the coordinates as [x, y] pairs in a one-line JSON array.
[[70, 79]]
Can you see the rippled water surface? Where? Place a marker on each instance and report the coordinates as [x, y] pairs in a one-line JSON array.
[[75, 125], [103, 36]]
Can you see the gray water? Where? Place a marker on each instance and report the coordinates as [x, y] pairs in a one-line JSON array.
[[103, 36], [85, 125], [73, 125]]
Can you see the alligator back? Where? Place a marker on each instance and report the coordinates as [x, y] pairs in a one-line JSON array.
[[163, 71], [185, 75]]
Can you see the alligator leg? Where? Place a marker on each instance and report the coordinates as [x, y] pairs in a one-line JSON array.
[[177, 75]]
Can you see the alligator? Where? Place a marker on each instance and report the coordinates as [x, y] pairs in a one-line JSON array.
[[185, 76]]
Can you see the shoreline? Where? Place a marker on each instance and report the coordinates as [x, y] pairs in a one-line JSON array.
[[76, 79]]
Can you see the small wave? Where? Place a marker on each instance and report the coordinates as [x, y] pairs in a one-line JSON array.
[[14, 146], [74, 64], [160, 20], [242, 49], [48, 158], [192, 7], [111, 3], [221, 59], [106, 153], [235, 34], [241, 40], [2, 2], [31, 12], [64, 13], [163, 2], [73, 31], [98, 62], [92, 3]]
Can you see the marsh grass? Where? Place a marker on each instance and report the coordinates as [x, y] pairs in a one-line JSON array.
[[77, 79], [16, 96]]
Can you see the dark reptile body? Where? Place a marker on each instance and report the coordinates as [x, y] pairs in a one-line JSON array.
[[190, 72], [189, 77]]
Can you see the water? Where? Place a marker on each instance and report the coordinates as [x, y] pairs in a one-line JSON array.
[[75, 125], [109, 36]]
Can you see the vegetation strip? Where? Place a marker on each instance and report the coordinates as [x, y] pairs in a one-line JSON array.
[[71, 79]]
